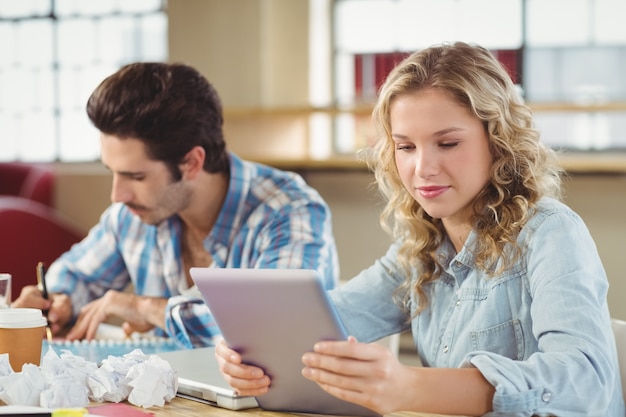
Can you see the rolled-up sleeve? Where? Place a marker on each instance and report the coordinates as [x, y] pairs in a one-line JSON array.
[[189, 322]]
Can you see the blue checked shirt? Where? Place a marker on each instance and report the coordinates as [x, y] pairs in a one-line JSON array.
[[270, 219]]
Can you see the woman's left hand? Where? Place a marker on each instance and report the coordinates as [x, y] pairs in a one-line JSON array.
[[366, 374]]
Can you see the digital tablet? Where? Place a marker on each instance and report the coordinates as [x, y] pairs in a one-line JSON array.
[[272, 317]]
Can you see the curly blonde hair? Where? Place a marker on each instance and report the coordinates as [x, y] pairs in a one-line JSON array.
[[523, 169]]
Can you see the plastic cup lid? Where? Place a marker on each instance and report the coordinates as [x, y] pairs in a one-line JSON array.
[[17, 318]]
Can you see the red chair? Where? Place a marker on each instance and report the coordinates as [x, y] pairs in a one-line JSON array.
[[31, 232], [31, 229], [32, 181]]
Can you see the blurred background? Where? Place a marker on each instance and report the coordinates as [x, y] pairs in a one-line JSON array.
[[298, 79]]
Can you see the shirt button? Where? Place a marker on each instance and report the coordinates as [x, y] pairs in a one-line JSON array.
[[546, 397], [446, 349], [458, 303], [457, 264]]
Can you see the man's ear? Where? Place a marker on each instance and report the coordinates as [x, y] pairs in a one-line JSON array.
[[193, 162]]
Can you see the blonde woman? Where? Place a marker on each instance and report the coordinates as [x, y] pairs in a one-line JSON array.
[[500, 283]]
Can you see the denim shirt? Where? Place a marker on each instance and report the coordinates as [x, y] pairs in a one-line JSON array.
[[539, 332]]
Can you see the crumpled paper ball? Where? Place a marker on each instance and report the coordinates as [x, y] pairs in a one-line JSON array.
[[154, 382], [5, 365], [69, 381], [69, 373], [22, 388], [109, 382]]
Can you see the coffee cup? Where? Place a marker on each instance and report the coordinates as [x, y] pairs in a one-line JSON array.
[[21, 335]]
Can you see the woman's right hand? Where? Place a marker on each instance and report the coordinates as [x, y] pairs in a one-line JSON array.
[[245, 379]]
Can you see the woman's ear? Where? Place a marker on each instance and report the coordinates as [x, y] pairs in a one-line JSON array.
[[193, 162]]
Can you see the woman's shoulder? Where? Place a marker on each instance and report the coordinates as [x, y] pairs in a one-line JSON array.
[[551, 213], [548, 206]]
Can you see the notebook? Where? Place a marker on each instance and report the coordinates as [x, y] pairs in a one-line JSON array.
[[272, 317], [199, 379], [110, 340]]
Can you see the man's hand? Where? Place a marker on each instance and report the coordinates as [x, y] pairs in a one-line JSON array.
[[58, 306], [139, 313]]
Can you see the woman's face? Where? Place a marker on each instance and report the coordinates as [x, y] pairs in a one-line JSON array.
[[441, 151]]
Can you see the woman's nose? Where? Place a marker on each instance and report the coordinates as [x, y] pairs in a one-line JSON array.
[[425, 163]]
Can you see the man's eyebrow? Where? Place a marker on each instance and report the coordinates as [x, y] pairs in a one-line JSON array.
[[131, 173], [125, 173]]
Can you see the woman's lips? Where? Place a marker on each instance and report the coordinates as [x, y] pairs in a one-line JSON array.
[[431, 191]]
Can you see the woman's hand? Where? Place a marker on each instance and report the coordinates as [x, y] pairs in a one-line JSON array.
[[245, 379], [366, 374]]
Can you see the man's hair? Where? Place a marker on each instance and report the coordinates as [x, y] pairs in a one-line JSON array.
[[523, 169], [171, 108]]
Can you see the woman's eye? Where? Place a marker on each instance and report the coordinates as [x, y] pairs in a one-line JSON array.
[[448, 144], [404, 147]]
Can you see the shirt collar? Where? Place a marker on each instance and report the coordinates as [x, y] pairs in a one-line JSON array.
[[230, 218]]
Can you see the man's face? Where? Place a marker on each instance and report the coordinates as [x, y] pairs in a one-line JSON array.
[[143, 184]]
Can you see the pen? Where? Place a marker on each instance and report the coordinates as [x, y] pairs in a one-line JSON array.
[[41, 279], [41, 284]]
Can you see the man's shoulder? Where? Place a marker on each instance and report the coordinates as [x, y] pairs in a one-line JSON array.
[[282, 180], [272, 187], [262, 170]]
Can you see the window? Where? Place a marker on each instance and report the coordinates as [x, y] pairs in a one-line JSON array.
[[571, 73], [52, 55]]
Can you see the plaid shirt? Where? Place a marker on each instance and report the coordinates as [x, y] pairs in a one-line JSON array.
[[270, 219]]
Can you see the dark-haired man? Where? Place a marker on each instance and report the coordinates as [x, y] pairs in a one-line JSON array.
[[179, 199]]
